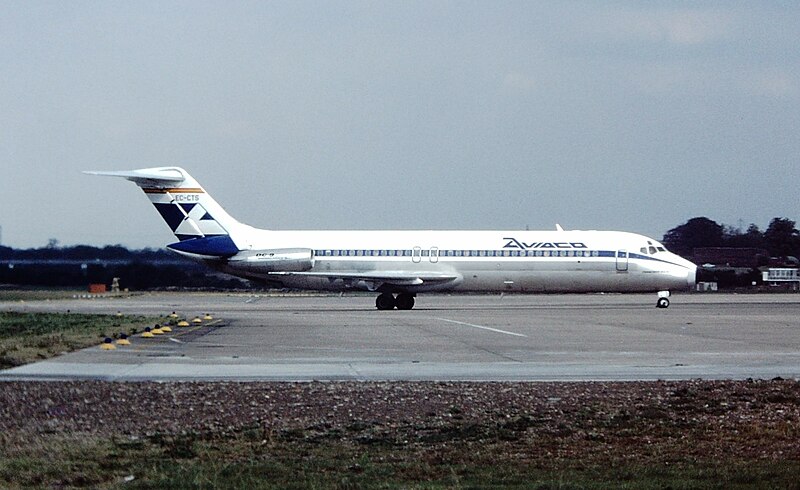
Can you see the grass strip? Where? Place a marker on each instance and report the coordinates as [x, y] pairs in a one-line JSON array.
[[29, 337], [194, 460], [38, 294]]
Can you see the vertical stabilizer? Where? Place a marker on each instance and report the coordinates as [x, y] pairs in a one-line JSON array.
[[181, 201]]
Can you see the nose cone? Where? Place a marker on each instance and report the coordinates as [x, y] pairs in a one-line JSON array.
[[683, 270], [690, 269], [691, 275]]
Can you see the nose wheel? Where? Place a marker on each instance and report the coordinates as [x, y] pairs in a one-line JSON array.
[[663, 299]]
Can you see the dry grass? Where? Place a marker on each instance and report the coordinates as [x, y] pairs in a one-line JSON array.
[[694, 434]]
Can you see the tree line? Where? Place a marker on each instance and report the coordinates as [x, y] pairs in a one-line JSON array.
[[780, 239], [80, 265]]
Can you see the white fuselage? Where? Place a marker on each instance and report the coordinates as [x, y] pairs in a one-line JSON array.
[[493, 261]]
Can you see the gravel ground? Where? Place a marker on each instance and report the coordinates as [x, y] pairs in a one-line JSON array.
[[662, 420]]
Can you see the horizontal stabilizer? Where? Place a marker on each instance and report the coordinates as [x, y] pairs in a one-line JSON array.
[[146, 177]]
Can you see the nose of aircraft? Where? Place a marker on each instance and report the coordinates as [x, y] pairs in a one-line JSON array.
[[691, 275], [688, 268]]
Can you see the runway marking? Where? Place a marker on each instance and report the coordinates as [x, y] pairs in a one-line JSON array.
[[481, 327]]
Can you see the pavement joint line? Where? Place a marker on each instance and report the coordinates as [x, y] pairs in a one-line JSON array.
[[195, 328], [483, 327], [137, 347], [191, 329], [353, 370]]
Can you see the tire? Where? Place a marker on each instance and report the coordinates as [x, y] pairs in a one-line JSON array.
[[662, 303], [404, 301], [385, 301]]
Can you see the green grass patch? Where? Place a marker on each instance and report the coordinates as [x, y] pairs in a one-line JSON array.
[[241, 461], [29, 337], [39, 294]]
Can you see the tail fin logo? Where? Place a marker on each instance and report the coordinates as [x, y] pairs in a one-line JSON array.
[[189, 219]]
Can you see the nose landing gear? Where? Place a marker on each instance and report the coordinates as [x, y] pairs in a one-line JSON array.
[[663, 299]]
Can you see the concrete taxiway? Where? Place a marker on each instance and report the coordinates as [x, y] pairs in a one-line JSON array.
[[446, 337]]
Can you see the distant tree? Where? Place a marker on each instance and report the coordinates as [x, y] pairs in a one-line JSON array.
[[752, 238], [782, 237], [52, 243], [695, 233], [79, 252], [116, 252]]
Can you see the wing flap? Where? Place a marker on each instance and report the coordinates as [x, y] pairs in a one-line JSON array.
[[394, 278]]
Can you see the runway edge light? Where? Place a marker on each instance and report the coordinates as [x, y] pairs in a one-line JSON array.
[[107, 345], [123, 339], [147, 333]]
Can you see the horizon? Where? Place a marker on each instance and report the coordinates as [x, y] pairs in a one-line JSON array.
[[55, 243]]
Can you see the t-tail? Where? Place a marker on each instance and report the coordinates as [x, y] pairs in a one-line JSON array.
[[203, 228]]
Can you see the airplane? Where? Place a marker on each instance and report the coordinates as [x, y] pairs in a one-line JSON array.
[[400, 264]]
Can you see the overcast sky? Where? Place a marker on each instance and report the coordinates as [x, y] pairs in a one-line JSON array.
[[631, 116]]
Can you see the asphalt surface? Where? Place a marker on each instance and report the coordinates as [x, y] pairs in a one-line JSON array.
[[445, 337]]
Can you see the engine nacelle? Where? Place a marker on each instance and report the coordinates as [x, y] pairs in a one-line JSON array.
[[274, 260]]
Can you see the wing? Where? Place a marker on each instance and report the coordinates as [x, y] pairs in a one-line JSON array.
[[404, 279]]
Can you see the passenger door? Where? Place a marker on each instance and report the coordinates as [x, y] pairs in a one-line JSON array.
[[622, 261], [416, 255]]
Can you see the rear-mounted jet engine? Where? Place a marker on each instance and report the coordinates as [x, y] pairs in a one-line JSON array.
[[281, 259]]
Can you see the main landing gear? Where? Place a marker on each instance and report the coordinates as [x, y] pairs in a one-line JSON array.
[[387, 301], [663, 299]]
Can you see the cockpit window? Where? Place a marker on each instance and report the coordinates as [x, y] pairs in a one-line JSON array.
[[662, 249], [652, 250], [643, 250]]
